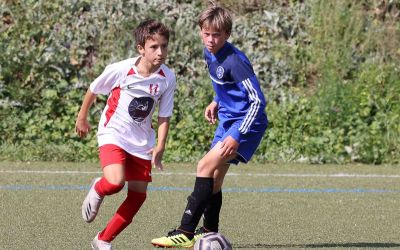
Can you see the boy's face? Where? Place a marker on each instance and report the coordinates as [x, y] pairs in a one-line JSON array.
[[213, 39], [155, 50]]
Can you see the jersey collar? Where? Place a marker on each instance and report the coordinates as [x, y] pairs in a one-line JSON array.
[[219, 53]]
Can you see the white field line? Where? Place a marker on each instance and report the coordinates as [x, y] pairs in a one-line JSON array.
[[338, 175]]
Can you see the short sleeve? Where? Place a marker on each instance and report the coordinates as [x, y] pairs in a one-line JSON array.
[[167, 99], [109, 79]]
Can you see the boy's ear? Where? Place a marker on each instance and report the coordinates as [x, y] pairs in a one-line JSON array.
[[140, 49]]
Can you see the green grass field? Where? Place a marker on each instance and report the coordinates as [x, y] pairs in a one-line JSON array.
[[265, 206]]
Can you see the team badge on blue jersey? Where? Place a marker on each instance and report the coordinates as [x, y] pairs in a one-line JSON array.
[[220, 72]]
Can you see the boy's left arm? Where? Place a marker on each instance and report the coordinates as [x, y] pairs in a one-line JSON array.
[[245, 75], [257, 105], [158, 151], [165, 111]]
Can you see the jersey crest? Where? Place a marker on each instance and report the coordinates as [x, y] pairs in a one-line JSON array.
[[153, 89], [140, 108], [220, 72]]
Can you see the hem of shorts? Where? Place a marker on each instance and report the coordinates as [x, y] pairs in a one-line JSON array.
[[141, 156], [239, 159], [151, 180]]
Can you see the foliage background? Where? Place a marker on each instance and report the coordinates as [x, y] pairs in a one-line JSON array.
[[330, 71]]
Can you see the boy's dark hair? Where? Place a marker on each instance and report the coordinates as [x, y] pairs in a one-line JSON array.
[[149, 28], [216, 17]]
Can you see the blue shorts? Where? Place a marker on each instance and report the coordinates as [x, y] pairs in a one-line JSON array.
[[248, 142]]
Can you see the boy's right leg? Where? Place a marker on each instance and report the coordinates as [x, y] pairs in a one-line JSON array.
[[112, 182], [91, 203], [112, 159]]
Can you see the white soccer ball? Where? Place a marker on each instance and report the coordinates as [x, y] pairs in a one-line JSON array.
[[213, 241]]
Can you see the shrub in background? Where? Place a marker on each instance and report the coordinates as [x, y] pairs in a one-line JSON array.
[[330, 71]]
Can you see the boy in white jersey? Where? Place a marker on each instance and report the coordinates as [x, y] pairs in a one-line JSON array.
[[125, 135], [242, 121]]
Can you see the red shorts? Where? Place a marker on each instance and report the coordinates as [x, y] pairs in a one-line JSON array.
[[136, 169]]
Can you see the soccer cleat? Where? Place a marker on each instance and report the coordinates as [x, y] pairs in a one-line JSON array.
[[200, 232], [100, 244], [91, 204], [175, 238]]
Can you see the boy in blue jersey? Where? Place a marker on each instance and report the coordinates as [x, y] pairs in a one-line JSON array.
[[239, 104]]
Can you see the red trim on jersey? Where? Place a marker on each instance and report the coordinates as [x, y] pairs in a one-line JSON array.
[[131, 72], [161, 73], [112, 103]]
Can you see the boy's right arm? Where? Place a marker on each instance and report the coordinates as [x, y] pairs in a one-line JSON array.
[[82, 126]]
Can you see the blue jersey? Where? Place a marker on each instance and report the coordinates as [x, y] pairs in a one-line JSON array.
[[238, 93]]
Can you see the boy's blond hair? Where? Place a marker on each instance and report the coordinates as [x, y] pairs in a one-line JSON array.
[[216, 17]]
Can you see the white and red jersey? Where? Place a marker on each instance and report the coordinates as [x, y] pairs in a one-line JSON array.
[[126, 120]]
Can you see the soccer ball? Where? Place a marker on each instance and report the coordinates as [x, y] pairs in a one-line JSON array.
[[213, 241]]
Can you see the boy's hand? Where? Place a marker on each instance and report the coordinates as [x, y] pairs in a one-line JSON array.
[[82, 127], [211, 112], [157, 155], [229, 146]]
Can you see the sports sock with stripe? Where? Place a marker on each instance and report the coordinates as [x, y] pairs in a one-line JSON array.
[[197, 202]]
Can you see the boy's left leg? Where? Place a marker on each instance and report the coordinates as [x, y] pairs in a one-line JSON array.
[[112, 160], [125, 213], [213, 208]]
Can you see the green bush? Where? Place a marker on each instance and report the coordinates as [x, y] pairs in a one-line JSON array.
[[330, 71]]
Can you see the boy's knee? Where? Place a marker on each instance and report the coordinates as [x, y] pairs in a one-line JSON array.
[[113, 189], [201, 165], [204, 169], [116, 180], [104, 187]]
